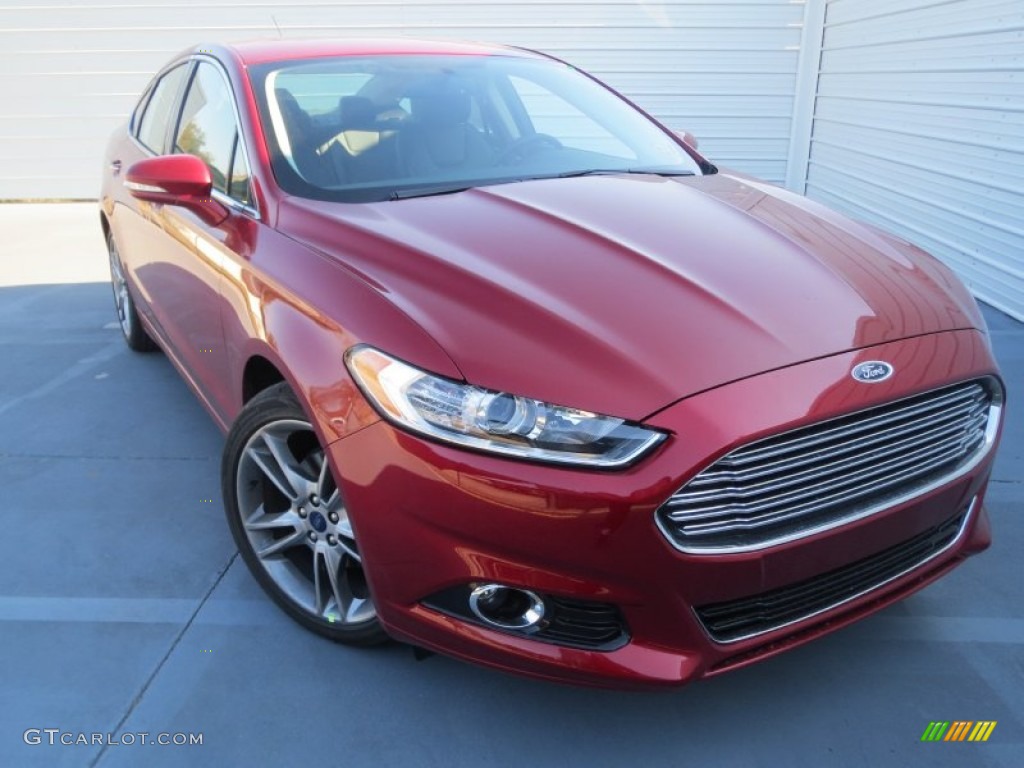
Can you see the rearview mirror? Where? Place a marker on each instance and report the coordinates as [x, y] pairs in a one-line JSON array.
[[176, 180]]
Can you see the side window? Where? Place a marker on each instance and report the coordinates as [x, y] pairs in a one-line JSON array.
[[238, 182], [136, 116], [207, 128], [153, 125]]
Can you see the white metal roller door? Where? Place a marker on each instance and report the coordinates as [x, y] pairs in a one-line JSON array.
[[70, 72], [919, 127]]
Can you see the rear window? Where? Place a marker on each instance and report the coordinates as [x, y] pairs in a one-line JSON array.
[[153, 125]]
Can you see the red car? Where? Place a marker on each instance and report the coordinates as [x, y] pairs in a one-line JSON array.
[[509, 371]]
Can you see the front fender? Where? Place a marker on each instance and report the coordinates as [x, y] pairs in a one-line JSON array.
[[306, 338]]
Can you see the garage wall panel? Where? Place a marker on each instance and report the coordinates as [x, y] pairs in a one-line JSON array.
[[918, 126], [71, 71]]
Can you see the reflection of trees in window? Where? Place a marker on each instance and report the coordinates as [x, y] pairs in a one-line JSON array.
[[207, 127], [192, 141], [196, 101], [239, 181]]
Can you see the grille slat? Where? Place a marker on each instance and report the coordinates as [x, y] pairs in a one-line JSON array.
[[735, 523], [816, 477], [817, 469], [835, 480], [950, 421], [781, 444], [746, 617]]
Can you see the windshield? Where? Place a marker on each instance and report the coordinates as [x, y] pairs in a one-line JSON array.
[[357, 129]]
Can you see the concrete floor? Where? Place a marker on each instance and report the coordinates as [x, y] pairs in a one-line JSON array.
[[123, 606]]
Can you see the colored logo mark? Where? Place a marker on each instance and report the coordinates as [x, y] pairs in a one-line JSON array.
[[958, 730]]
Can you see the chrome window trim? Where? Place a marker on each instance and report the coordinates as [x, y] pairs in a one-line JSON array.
[[968, 517], [140, 107], [236, 205], [991, 430]]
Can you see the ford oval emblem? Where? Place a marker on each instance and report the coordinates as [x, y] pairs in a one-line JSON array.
[[872, 372]]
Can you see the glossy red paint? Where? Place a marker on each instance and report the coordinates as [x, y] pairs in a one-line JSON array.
[[716, 308], [734, 276], [473, 518], [176, 180]]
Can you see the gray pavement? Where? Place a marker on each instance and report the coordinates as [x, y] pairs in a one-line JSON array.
[[124, 609]]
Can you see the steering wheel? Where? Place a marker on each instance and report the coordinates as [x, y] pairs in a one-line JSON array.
[[518, 150]]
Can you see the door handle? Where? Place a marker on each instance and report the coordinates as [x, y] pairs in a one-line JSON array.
[[115, 167]]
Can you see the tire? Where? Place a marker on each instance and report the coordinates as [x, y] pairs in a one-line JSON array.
[[135, 335], [289, 521]]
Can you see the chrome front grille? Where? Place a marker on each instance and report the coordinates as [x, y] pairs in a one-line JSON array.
[[817, 477]]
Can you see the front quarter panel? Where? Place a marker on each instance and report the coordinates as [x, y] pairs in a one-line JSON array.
[[302, 312]]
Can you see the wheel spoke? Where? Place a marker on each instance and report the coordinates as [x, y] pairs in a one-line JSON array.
[[348, 605], [323, 477], [278, 546], [348, 544], [275, 460], [320, 599], [333, 502], [260, 520]]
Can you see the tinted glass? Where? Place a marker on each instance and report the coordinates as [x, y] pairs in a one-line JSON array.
[[207, 128], [238, 183], [360, 128], [153, 126]]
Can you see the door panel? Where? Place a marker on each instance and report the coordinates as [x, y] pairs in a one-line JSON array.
[[178, 259]]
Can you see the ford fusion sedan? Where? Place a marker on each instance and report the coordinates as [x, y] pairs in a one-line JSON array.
[[509, 371]]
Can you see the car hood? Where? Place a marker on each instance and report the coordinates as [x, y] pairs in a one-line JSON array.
[[622, 294]]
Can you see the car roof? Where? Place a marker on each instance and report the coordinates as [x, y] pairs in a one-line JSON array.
[[263, 51]]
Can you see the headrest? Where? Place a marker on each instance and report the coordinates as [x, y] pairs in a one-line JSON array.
[[295, 118], [285, 98], [444, 104], [357, 112]]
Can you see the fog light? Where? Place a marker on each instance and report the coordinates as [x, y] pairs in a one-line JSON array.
[[506, 607]]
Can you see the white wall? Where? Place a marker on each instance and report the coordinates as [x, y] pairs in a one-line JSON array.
[[69, 72], [907, 113], [918, 126]]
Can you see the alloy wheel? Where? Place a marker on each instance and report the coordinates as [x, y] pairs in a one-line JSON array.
[[296, 523], [122, 299]]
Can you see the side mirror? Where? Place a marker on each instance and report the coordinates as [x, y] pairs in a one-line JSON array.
[[688, 138], [176, 180]]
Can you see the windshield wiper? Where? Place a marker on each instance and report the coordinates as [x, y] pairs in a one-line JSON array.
[[615, 171], [428, 191], [450, 189]]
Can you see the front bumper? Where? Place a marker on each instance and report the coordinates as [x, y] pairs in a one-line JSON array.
[[430, 517]]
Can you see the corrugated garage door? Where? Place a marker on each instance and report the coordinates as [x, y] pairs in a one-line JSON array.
[[70, 72], [919, 127]]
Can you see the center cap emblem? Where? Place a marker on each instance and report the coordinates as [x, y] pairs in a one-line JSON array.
[[318, 522], [872, 371]]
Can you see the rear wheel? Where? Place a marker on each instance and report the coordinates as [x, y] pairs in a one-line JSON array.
[[127, 316], [290, 522]]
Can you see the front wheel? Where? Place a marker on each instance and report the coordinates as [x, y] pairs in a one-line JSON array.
[[290, 523]]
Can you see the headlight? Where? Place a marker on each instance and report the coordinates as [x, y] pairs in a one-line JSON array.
[[495, 422]]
